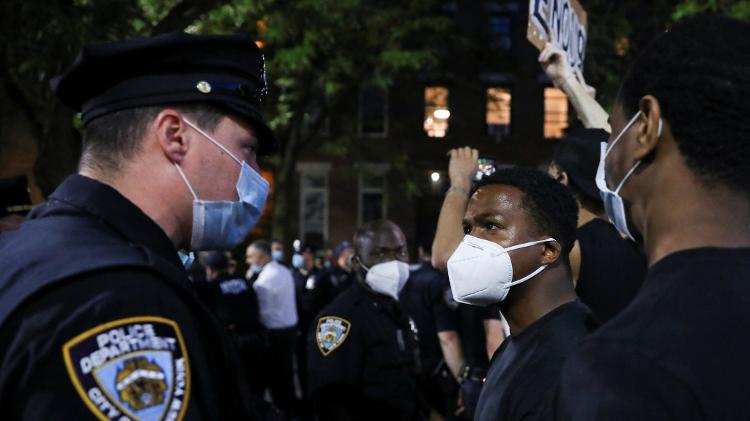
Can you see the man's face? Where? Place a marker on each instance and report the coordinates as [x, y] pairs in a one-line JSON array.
[[495, 213], [277, 246], [385, 245], [216, 173], [345, 258], [251, 255]]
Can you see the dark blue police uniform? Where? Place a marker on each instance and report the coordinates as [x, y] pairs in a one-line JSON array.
[[97, 318], [362, 359]]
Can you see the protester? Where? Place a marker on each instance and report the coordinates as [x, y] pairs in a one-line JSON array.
[[607, 269], [675, 178], [362, 351], [167, 151], [520, 227]]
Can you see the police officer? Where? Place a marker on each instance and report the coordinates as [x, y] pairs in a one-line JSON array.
[[428, 301], [362, 355], [97, 318], [235, 304]]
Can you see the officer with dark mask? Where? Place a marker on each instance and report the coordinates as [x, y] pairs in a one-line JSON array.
[[97, 315], [362, 350]]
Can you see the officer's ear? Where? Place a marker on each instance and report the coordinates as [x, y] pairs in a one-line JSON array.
[[170, 130], [354, 261]]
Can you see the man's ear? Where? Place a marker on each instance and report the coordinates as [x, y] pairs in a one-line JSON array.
[[563, 178], [551, 254], [170, 132], [650, 125]]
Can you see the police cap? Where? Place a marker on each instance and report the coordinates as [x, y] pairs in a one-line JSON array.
[[174, 68]]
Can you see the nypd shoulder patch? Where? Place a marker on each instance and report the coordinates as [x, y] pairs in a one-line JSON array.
[[131, 369], [331, 333]]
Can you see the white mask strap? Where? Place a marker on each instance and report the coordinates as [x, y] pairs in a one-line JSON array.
[[622, 132], [529, 244], [186, 181], [207, 136], [527, 277]]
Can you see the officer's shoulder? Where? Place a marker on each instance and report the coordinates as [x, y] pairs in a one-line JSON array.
[[348, 302]]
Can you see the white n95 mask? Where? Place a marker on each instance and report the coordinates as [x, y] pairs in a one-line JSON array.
[[481, 272], [387, 278]]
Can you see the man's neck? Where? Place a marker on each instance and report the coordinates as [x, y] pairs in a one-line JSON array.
[[156, 201], [705, 217], [537, 297]]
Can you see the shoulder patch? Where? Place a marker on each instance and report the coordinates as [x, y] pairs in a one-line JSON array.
[[131, 369], [331, 333]]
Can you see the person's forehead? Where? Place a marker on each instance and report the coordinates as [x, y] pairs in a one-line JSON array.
[[494, 198], [387, 237]]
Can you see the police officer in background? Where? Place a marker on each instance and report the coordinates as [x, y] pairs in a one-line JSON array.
[[362, 351], [428, 301], [235, 304], [97, 316]]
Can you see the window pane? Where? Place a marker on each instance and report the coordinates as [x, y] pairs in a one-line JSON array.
[[498, 111], [436, 111], [372, 111], [555, 113], [372, 206], [501, 32], [313, 180], [313, 212]]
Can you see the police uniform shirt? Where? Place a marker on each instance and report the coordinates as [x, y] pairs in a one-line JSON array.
[[427, 298], [361, 359], [114, 343], [525, 369], [679, 351], [233, 302], [612, 269]]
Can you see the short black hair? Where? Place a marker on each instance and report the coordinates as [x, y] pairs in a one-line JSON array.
[[263, 246], [551, 205], [700, 73], [112, 139]]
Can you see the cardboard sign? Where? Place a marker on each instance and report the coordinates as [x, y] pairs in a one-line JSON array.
[[561, 22]]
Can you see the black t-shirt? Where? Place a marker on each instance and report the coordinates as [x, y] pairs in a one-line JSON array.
[[525, 369], [612, 269], [679, 351], [361, 359], [426, 298], [472, 332]]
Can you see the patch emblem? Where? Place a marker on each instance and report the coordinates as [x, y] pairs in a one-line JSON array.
[[131, 369], [331, 333]]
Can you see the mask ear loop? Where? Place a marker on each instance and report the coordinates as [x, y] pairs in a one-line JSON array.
[[207, 136], [534, 273], [179, 170]]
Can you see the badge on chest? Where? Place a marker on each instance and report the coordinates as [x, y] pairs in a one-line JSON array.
[[131, 369], [331, 333]]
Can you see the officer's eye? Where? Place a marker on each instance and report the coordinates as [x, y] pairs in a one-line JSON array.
[[491, 227], [467, 229]]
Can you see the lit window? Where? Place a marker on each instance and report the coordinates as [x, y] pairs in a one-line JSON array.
[[313, 201], [436, 111], [498, 111], [373, 112], [555, 113], [501, 32]]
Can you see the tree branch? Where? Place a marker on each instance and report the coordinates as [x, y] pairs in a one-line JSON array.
[[183, 14]]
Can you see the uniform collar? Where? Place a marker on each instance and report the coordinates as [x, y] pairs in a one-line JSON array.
[[108, 205]]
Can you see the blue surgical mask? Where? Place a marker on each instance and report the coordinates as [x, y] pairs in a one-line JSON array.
[[187, 259], [613, 203], [277, 255], [224, 224], [298, 261]]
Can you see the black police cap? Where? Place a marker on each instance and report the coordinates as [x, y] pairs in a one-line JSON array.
[[174, 68]]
